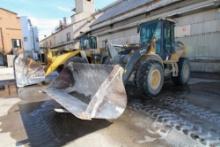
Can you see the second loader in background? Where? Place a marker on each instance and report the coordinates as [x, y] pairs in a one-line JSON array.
[[30, 72]]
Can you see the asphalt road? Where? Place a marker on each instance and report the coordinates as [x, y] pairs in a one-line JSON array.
[[179, 116]]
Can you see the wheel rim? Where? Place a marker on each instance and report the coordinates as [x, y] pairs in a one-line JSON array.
[[155, 79]]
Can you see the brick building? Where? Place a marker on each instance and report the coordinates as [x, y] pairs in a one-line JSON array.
[[10, 32]]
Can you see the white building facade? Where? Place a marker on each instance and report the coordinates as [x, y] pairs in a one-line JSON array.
[[68, 34], [30, 38]]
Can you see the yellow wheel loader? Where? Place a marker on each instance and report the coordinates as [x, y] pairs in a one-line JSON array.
[[97, 91], [56, 59], [29, 72]]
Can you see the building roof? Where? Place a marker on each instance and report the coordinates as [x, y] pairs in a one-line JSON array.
[[120, 7], [8, 11]]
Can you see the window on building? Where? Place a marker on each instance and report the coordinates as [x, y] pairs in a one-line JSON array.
[[68, 36], [16, 43], [25, 39], [1, 59]]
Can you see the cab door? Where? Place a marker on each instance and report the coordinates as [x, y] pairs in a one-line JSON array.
[[168, 39]]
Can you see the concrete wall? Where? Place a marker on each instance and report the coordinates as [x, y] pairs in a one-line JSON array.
[[122, 37], [9, 29], [203, 40]]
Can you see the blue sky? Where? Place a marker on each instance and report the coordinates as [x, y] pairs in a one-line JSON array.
[[45, 14]]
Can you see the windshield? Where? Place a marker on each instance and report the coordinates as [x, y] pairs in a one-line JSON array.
[[88, 42], [148, 31]]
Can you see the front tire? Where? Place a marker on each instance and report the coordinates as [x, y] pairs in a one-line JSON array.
[[150, 78], [184, 72]]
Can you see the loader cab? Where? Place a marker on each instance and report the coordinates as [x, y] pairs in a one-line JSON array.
[[88, 42], [160, 30]]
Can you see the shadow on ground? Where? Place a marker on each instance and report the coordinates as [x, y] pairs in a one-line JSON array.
[[44, 127]]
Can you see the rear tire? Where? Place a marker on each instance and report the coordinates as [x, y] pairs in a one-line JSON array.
[[150, 78], [184, 72]]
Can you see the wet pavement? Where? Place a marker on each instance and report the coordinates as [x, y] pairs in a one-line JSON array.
[[188, 116]]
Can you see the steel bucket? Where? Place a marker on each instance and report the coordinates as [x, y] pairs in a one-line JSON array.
[[27, 71], [90, 91]]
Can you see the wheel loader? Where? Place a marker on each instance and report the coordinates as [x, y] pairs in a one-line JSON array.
[[29, 72], [97, 91]]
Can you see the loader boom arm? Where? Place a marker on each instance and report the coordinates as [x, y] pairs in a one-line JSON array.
[[60, 60]]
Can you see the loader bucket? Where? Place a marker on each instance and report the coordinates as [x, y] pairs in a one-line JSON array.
[[90, 91], [27, 71]]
